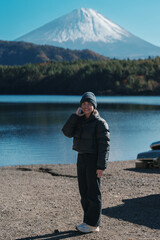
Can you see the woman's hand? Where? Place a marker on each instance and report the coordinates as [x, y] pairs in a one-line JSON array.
[[79, 112], [99, 173]]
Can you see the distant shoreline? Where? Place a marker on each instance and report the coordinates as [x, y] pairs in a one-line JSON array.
[[74, 99]]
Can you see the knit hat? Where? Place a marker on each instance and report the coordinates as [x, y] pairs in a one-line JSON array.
[[89, 97]]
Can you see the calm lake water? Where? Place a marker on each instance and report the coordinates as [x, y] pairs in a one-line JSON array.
[[30, 127]]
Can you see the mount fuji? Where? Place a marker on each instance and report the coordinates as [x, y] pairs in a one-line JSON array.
[[88, 29]]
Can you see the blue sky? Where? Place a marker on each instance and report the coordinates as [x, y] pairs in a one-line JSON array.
[[140, 17]]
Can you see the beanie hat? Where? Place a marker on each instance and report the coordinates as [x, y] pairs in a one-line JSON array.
[[89, 97]]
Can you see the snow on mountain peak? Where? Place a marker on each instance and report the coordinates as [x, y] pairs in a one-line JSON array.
[[98, 28], [84, 24], [86, 28], [89, 26]]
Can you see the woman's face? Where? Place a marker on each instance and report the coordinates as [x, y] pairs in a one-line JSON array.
[[87, 108]]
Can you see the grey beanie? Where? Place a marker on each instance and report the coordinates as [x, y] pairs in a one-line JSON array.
[[89, 97]]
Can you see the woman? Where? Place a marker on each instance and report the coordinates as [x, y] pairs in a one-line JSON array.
[[91, 140]]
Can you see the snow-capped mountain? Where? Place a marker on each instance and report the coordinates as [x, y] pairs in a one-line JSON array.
[[88, 29]]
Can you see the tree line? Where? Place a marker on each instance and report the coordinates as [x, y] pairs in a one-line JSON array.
[[103, 77]]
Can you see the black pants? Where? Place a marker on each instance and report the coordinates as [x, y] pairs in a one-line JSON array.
[[89, 188]]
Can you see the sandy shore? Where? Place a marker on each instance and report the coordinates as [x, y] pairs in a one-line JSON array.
[[42, 202]]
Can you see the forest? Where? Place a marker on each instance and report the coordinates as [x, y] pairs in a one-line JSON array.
[[103, 77]]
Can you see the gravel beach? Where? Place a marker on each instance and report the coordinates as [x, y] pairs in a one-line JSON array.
[[43, 202]]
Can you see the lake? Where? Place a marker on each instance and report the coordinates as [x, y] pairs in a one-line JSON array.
[[30, 127]]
